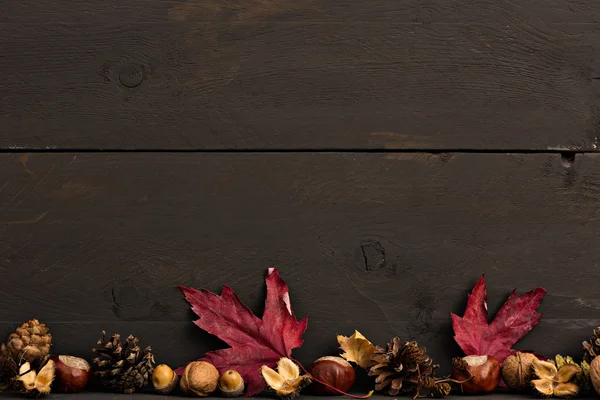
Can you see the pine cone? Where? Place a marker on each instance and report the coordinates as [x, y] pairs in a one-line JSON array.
[[122, 366], [29, 343], [592, 348], [402, 366]]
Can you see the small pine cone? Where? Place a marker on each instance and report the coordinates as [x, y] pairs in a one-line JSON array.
[[459, 364], [123, 366], [440, 390], [592, 348], [401, 366], [30, 342]]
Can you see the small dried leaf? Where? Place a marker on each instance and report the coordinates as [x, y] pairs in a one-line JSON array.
[[544, 369], [566, 373], [357, 349]]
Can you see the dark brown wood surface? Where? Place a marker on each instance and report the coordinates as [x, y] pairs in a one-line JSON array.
[[387, 243], [299, 74], [382, 154]]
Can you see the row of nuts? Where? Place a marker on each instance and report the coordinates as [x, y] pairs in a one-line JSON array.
[[199, 378]]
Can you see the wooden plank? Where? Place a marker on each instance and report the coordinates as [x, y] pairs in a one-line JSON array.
[[501, 83], [385, 243], [407, 11]]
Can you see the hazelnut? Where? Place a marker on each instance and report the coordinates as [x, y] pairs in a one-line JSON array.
[[200, 378], [479, 374], [517, 371], [164, 379], [231, 383], [335, 371], [71, 374]]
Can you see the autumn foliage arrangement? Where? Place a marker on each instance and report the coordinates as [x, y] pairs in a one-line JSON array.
[[259, 356]]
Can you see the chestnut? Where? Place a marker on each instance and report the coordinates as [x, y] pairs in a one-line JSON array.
[[71, 374], [335, 371], [478, 374]]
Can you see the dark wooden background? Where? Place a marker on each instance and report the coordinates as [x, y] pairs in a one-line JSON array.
[[382, 154]]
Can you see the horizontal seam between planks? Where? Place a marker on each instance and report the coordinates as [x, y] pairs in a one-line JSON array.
[[553, 150]]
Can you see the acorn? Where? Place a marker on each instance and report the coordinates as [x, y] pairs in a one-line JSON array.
[[164, 379], [335, 371], [479, 374], [231, 383], [200, 378]]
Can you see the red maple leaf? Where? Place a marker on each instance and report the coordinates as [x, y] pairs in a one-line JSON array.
[[514, 319], [254, 342]]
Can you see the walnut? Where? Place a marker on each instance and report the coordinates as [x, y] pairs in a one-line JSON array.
[[517, 371]]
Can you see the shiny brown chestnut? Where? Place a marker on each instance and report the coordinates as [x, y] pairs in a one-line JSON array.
[[71, 374], [334, 371], [478, 374]]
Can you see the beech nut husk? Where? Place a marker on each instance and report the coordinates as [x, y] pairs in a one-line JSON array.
[[164, 379], [481, 374], [595, 373], [335, 371], [200, 378], [517, 371], [231, 383], [71, 374]]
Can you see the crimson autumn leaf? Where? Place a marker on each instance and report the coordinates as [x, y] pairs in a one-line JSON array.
[[254, 342], [514, 319]]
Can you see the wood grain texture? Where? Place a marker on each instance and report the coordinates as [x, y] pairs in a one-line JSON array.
[[404, 11], [310, 74], [385, 243]]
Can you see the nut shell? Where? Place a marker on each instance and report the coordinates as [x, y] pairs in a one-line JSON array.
[[485, 371], [71, 374], [335, 371], [200, 378], [517, 371], [164, 379], [231, 383]]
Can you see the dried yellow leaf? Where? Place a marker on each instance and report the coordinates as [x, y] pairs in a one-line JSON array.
[[357, 349]]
